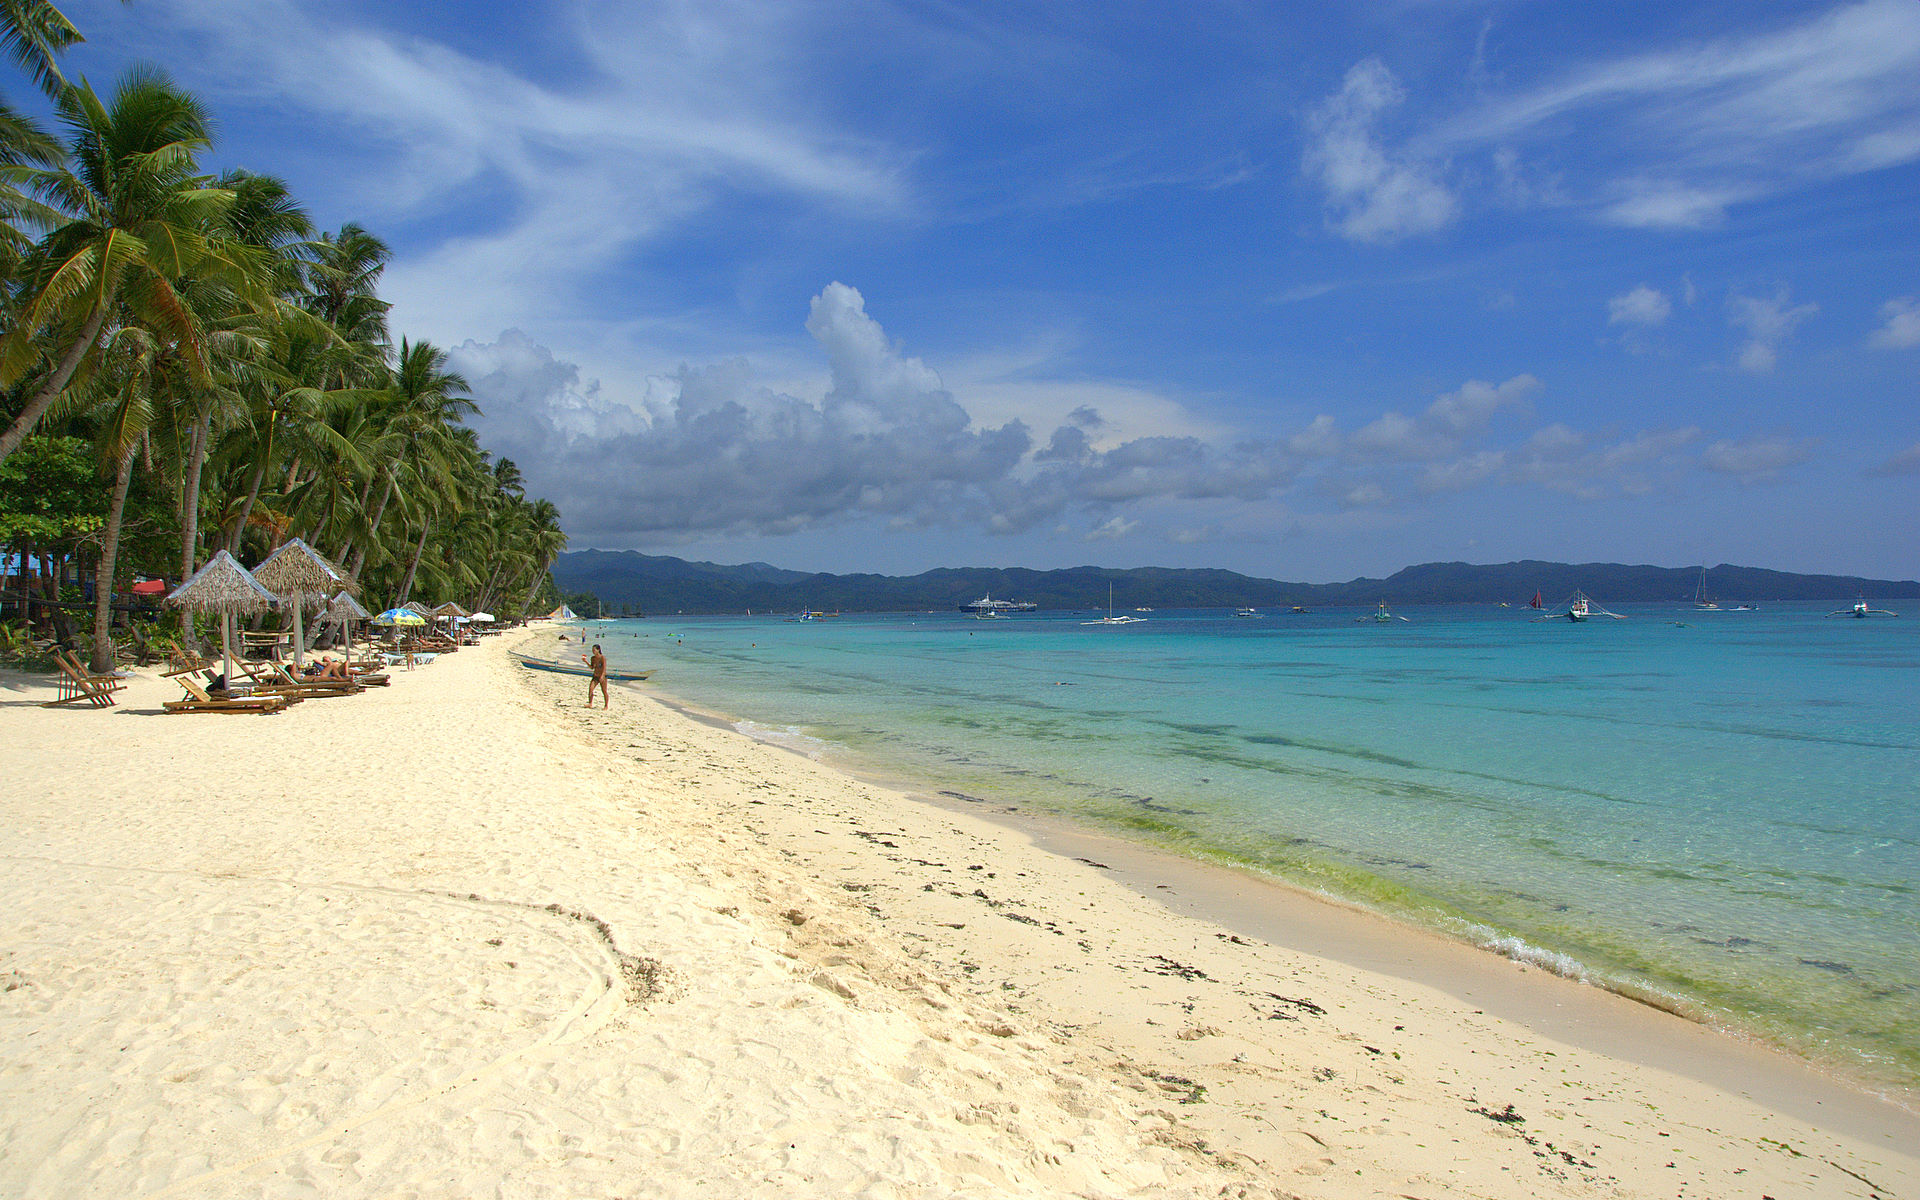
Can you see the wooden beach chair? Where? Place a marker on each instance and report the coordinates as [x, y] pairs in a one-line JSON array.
[[274, 677], [78, 684], [198, 700]]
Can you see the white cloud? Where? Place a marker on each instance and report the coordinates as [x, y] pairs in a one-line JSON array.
[[1463, 473], [1373, 194], [1907, 462], [1726, 120], [1320, 439], [1756, 460], [1365, 495], [1565, 460], [1473, 407], [1902, 328], [1111, 530], [688, 103], [1643, 306], [1665, 206], [1439, 431], [712, 451], [1768, 322]]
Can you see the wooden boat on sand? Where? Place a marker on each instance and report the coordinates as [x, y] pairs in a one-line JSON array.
[[615, 674]]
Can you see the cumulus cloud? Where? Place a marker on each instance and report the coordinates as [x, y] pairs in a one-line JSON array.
[[1768, 322], [1902, 328], [1110, 530], [1439, 431], [1643, 306], [1564, 460], [1374, 194], [1758, 459], [1463, 473], [1907, 462], [709, 451]]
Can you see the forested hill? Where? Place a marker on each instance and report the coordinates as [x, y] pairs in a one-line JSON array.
[[627, 581]]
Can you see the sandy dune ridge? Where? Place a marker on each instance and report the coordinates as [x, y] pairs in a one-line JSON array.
[[462, 937]]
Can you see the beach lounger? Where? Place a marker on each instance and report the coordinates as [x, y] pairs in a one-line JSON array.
[[276, 678], [78, 684], [198, 700]]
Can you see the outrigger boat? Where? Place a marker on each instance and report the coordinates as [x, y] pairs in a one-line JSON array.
[[1580, 608], [616, 674], [1383, 613], [1861, 610]]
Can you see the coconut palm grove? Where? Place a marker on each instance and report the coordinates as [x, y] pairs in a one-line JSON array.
[[187, 366]]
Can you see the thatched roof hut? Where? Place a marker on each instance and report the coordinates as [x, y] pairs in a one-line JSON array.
[[223, 586], [414, 606], [346, 608], [450, 609], [297, 568]]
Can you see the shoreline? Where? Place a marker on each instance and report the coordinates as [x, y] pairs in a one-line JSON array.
[[1572, 1013], [1590, 1013], [463, 933]]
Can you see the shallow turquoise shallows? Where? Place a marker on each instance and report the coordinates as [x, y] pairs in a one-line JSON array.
[[1716, 810]]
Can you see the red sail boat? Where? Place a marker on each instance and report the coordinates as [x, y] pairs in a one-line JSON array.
[[1535, 602]]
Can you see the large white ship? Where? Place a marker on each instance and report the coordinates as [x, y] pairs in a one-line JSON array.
[[987, 604]]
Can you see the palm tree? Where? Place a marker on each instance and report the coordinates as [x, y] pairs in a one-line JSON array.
[[138, 218], [544, 543], [33, 33], [422, 405], [137, 365], [264, 220]]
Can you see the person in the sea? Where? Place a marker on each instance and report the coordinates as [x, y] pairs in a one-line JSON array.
[[599, 664]]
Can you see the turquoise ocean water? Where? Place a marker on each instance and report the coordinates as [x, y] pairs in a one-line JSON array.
[[1722, 815]]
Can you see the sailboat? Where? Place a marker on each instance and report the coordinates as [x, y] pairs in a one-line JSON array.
[[1535, 602], [1110, 619], [1382, 614], [1580, 607], [1700, 600]]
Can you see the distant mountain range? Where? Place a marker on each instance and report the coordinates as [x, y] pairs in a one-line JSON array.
[[628, 581]]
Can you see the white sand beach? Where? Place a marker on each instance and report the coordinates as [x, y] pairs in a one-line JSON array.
[[462, 936]]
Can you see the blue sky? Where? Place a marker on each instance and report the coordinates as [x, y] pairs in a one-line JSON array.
[[1305, 290]]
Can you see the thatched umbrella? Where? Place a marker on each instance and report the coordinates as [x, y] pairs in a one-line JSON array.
[[225, 587], [346, 610], [294, 572], [450, 609], [414, 606]]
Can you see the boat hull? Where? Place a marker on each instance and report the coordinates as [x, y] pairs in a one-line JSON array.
[[556, 668]]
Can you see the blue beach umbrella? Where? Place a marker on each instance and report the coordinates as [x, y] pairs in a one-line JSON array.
[[399, 616]]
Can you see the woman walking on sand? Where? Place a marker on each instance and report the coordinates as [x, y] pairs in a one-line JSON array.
[[599, 664]]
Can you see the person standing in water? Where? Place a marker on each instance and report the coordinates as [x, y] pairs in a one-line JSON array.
[[599, 664]]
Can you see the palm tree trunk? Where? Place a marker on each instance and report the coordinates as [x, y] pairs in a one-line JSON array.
[[358, 556], [103, 579], [538, 577], [49, 391], [252, 494], [419, 548], [190, 495]]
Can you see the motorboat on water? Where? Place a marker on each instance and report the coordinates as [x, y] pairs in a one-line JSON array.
[[1246, 612], [1382, 614]]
